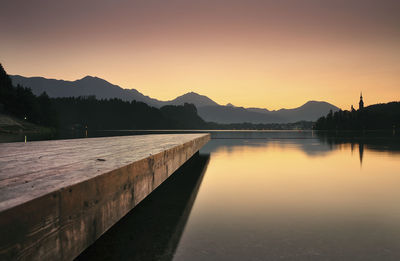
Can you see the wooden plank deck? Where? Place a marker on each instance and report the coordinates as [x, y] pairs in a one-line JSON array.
[[58, 197]]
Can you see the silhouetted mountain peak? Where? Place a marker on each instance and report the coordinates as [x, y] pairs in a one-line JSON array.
[[88, 77], [94, 80], [194, 98], [315, 104], [193, 95], [312, 102]]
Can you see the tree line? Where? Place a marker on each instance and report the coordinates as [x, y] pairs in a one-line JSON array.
[[22, 103], [385, 116]]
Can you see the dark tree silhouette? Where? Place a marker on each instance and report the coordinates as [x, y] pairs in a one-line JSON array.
[[22, 103], [374, 117]]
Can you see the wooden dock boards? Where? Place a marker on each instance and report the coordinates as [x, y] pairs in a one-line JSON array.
[[58, 197]]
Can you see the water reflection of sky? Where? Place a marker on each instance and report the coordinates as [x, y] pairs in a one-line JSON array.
[[311, 147], [295, 199]]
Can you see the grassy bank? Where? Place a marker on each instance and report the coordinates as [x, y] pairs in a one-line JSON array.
[[14, 129]]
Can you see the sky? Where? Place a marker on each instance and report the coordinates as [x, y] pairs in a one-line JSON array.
[[251, 53]]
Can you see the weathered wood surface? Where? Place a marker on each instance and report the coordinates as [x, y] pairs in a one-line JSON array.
[[58, 197]]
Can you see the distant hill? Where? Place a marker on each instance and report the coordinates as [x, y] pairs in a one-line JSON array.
[[230, 114], [208, 109], [310, 111], [260, 110], [194, 98]]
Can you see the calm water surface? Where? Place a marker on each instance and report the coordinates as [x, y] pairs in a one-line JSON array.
[[284, 196]]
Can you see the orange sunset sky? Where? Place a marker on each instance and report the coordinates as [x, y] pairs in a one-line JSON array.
[[251, 53]]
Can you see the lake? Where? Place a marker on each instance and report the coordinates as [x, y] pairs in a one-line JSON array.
[[269, 196]]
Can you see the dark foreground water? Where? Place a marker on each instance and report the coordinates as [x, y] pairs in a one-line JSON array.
[[272, 196]]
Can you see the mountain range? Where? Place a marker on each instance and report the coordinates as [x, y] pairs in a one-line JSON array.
[[208, 109]]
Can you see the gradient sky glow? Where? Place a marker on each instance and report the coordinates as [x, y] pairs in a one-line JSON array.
[[252, 53]]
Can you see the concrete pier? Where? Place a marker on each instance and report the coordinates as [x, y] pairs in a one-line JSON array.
[[58, 197]]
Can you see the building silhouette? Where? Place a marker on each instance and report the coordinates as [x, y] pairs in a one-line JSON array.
[[361, 103]]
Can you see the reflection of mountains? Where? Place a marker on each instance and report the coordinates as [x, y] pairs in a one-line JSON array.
[[380, 144], [317, 145], [152, 230], [389, 144], [310, 146]]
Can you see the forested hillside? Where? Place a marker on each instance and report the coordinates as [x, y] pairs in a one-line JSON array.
[[89, 112], [374, 117]]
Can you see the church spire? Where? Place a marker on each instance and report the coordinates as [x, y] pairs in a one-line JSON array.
[[361, 103]]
